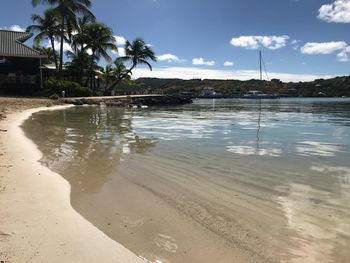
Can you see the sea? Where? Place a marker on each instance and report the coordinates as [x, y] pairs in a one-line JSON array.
[[219, 180]]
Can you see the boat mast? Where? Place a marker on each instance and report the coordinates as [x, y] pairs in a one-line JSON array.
[[260, 64]]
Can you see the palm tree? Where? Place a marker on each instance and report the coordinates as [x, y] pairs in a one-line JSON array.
[[120, 71], [115, 72], [99, 39], [79, 37], [107, 75], [138, 52], [80, 62], [67, 11], [47, 28], [49, 53]]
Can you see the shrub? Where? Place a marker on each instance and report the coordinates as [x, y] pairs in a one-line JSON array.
[[54, 97], [71, 89], [98, 93]]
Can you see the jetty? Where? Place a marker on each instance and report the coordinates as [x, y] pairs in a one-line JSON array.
[[130, 100]]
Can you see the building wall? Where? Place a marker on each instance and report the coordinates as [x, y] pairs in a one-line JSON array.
[[19, 76], [18, 66]]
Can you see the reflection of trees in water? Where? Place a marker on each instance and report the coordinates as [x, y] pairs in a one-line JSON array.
[[85, 144]]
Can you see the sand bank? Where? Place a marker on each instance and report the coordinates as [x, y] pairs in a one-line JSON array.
[[37, 222]]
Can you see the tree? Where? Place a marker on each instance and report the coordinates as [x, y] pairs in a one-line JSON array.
[[115, 72], [79, 64], [107, 75], [120, 71], [67, 11], [137, 52], [47, 27], [79, 36], [49, 52], [98, 40]]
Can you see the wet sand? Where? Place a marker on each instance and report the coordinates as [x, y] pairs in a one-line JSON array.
[[37, 222]]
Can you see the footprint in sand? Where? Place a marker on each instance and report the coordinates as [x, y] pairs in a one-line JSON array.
[[166, 243], [132, 222]]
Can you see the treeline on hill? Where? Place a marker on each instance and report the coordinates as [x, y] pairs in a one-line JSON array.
[[335, 87]]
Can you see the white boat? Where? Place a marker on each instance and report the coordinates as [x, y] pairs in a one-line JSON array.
[[257, 94]]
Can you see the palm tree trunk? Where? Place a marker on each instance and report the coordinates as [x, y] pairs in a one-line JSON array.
[[90, 70], [54, 52], [106, 87], [61, 48]]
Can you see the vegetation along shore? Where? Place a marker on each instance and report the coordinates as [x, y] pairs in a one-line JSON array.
[[130, 132]]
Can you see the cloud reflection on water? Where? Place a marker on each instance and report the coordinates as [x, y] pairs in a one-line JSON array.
[[319, 217], [249, 150], [314, 148]]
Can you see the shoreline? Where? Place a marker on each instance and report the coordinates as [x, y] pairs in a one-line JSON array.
[[38, 223]]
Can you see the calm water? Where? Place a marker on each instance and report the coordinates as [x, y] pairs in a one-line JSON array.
[[216, 181]]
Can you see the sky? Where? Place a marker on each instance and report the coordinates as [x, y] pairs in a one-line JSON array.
[[300, 40]]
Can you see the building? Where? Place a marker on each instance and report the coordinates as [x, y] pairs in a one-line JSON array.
[[209, 92], [20, 65]]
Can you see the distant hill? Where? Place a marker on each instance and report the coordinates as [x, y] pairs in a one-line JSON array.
[[335, 87]]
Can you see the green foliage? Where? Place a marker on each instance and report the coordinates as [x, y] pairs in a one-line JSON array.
[[54, 97], [47, 27], [138, 52], [68, 11], [49, 53], [99, 39], [71, 89]]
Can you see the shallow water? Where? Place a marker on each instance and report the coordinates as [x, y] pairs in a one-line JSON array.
[[216, 181]]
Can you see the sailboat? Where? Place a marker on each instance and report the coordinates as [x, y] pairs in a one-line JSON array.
[[257, 94]]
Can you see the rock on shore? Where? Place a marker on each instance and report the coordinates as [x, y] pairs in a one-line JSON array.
[[130, 101]]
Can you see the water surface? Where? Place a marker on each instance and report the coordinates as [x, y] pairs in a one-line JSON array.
[[216, 181]]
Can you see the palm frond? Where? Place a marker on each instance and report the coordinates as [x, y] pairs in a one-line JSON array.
[[142, 61]]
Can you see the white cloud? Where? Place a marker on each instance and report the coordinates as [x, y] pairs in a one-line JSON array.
[[170, 58], [14, 28], [296, 43], [200, 61], [89, 51], [120, 40], [200, 73], [338, 12], [255, 42], [66, 46], [228, 64], [343, 56], [314, 48], [120, 52]]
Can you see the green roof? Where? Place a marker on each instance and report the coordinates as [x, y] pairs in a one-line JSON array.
[[11, 45]]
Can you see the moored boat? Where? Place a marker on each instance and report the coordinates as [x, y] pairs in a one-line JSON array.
[[256, 94]]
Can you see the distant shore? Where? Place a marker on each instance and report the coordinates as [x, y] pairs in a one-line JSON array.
[[38, 223]]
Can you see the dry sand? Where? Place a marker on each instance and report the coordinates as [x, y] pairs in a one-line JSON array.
[[37, 222]]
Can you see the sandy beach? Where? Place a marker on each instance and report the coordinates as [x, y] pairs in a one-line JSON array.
[[37, 222]]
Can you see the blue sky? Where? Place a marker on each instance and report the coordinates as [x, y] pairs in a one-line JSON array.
[[299, 39]]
